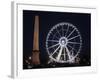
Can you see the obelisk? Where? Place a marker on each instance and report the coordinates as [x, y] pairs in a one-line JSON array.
[[35, 52]]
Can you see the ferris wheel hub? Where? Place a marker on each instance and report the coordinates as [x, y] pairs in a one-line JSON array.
[[63, 41]]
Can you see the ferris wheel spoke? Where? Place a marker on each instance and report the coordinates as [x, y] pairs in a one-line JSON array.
[[62, 31], [71, 33], [68, 52], [53, 40], [72, 53], [55, 36], [59, 54], [55, 50], [58, 32], [64, 54], [73, 42], [53, 46], [74, 37], [72, 48], [67, 30]]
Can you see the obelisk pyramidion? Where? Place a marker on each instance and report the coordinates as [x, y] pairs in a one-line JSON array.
[[35, 52]]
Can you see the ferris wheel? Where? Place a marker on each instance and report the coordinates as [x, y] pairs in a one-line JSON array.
[[63, 43]]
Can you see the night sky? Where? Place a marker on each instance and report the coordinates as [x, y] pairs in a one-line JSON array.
[[47, 20]]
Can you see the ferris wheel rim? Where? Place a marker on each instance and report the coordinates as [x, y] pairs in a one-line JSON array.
[[54, 27]]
